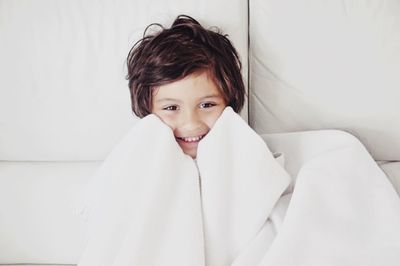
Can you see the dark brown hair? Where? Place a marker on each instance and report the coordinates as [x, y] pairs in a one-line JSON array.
[[184, 49]]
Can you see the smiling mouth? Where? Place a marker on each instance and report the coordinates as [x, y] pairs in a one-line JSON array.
[[191, 139]]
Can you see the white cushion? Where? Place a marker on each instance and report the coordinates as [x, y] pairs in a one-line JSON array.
[[63, 93], [327, 65], [39, 215], [38, 264]]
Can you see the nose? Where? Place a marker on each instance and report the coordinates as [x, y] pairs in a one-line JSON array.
[[191, 121]]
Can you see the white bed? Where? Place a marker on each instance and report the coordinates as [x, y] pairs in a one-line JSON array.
[[64, 103]]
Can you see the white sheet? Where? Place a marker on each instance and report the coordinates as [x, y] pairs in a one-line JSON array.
[[343, 211], [147, 205]]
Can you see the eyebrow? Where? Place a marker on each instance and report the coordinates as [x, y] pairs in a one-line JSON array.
[[168, 100], [177, 100], [212, 96]]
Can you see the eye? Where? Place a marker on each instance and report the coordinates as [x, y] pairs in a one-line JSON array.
[[171, 108], [207, 105]]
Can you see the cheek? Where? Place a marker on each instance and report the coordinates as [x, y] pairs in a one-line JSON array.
[[213, 117], [168, 119]]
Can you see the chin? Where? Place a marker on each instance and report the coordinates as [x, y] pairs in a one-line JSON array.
[[191, 154]]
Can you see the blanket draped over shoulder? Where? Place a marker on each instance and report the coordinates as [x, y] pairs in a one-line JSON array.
[[150, 204]]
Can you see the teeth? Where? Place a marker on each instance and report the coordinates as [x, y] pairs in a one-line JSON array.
[[192, 139]]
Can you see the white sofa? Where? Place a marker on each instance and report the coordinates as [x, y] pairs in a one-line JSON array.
[[309, 65]]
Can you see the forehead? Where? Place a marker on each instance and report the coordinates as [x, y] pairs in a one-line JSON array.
[[196, 85]]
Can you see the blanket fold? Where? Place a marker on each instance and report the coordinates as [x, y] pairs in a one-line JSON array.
[[143, 205], [146, 206], [241, 183], [151, 204], [343, 211]]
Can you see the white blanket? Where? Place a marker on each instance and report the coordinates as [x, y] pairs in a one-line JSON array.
[[150, 204]]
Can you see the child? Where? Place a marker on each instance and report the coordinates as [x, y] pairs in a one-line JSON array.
[[186, 75], [232, 206]]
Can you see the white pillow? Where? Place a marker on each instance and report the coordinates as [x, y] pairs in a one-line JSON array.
[[327, 65]]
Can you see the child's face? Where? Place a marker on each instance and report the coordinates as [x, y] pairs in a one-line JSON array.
[[190, 108]]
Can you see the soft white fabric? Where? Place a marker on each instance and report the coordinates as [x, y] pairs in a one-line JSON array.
[[343, 211], [148, 205], [392, 170], [300, 147], [151, 211]]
